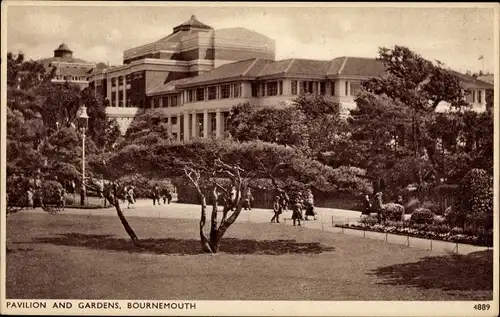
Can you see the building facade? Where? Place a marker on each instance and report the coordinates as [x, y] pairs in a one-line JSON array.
[[196, 74], [68, 68]]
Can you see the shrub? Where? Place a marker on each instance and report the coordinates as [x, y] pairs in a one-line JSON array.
[[475, 201], [422, 216], [49, 191], [369, 220], [69, 200]]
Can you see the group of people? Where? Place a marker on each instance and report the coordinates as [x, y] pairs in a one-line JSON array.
[[297, 204], [158, 194]]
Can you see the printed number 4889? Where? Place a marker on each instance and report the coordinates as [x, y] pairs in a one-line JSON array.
[[482, 306]]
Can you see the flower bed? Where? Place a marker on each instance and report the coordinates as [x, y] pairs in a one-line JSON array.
[[435, 232]]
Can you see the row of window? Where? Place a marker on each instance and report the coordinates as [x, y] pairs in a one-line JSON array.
[[475, 96], [127, 78], [214, 92], [164, 102], [270, 88], [60, 77]]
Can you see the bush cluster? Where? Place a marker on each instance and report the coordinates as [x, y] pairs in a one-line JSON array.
[[422, 216]]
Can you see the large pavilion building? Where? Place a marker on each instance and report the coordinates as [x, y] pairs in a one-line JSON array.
[[197, 74]]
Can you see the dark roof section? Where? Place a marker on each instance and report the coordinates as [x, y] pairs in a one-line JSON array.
[[168, 87], [297, 66], [277, 67], [356, 66], [228, 71], [309, 67], [192, 23]]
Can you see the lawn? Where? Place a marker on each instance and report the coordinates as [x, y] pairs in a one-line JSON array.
[[90, 257]]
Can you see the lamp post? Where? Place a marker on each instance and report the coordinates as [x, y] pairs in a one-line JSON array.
[[83, 121]]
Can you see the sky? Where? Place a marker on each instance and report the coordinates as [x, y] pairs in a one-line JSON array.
[[454, 36]]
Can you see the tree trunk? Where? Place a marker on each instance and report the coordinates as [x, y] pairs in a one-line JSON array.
[[113, 199], [205, 243], [214, 241]]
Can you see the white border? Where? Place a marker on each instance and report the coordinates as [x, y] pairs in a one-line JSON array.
[[265, 308]]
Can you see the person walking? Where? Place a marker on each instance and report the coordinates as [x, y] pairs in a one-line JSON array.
[[367, 206], [125, 194], [130, 197], [71, 189], [233, 197], [169, 196], [62, 198], [277, 208], [296, 210], [248, 200], [29, 194], [309, 205], [284, 201], [156, 195]]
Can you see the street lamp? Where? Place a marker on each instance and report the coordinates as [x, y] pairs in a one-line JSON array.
[[83, 121]]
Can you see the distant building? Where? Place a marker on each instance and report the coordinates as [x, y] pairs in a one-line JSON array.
[[68, 68], [197, 74]]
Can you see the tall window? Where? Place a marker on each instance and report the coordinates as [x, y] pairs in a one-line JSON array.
[[303, 87], [272, 88], [173, 103], [294, 87], [113, 99], [347, 88], [322, 88], [473, 96], [355, 88], [165, 102], [263, 89], [113, 82], [200, 94], [173, 120], [190, 95], [225, 91], [212, 92], [332, 87], [156, 102], [255, 89], [280, 87], [479, 96], [213, 123], [199, 124], [120, 98], [120, 80], [236, 90]]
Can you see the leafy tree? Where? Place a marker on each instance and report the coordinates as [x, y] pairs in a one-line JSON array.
[[41, 116], [222, 165], [282, 125]]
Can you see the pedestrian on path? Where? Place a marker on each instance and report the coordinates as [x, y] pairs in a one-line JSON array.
[[277, 209], [29, 194], [156, 195], [130, 197], [296, 207], [248, 200]]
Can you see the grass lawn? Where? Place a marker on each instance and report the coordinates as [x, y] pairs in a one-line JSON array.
[[82, 257]]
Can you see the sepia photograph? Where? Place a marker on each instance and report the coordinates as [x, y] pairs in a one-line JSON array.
[[246, 158]]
